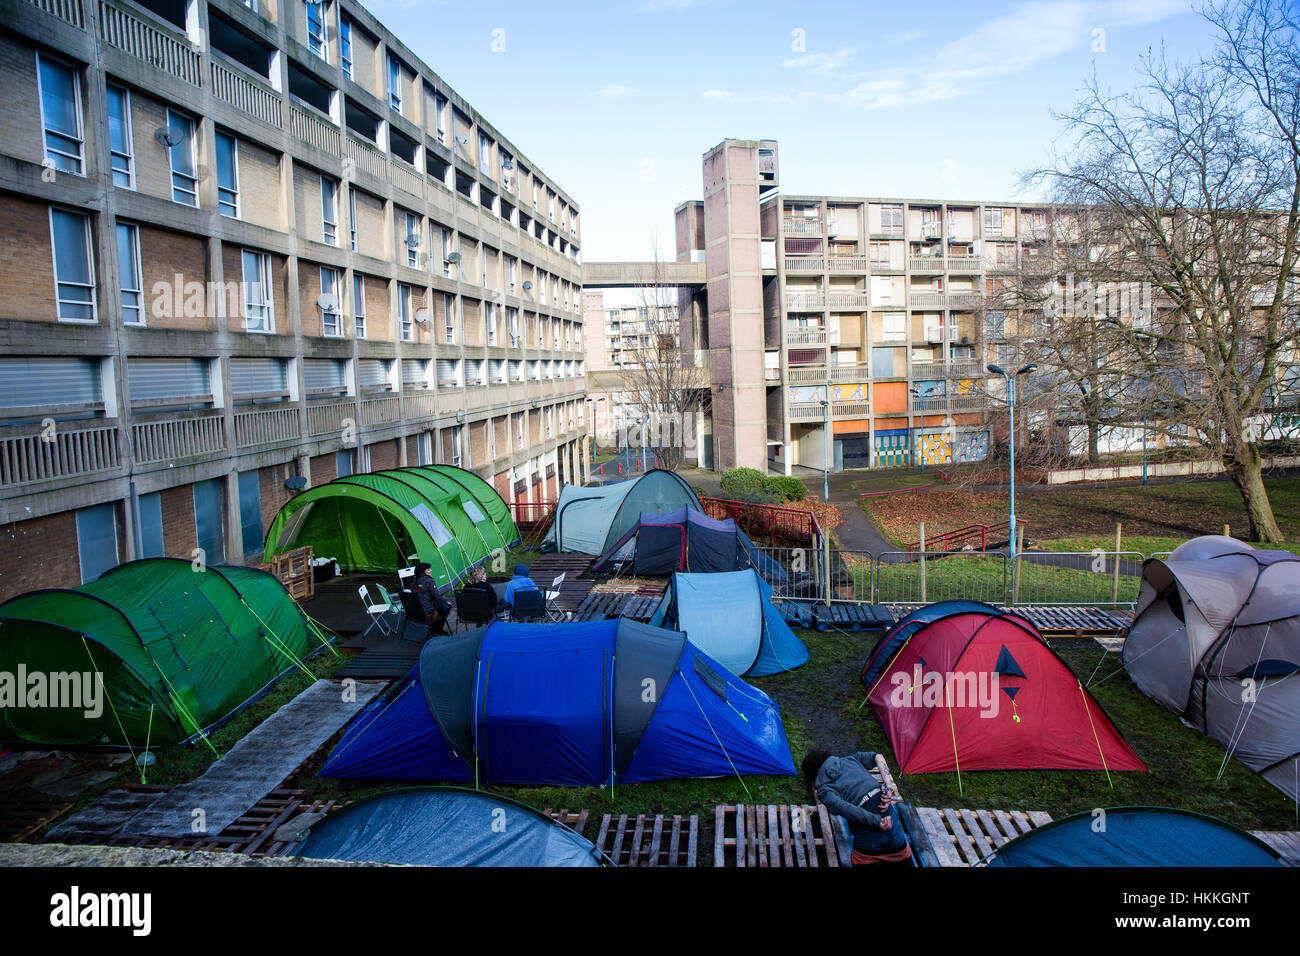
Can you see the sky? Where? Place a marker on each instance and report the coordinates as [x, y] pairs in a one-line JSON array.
[[617, 102]]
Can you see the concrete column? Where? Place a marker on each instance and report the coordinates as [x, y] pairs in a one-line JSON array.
[[234, 522], [304, 469]]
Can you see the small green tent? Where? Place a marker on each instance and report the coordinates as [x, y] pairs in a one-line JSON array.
[[386, 520], [153, 652]]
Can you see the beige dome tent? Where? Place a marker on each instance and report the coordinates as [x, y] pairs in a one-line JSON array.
[[1216, 639]]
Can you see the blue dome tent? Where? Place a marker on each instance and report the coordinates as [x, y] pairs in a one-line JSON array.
[[1135, 836], [729, 615], [685, 540], [590, 519], [582, 704]]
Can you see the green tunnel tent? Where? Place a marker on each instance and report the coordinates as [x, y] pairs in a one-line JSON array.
[[589, 520], [178, 651], [386, 520]]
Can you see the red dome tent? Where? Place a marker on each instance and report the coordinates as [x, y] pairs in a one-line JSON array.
[[981, 690]]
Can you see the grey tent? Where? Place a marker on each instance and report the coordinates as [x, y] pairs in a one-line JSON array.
[[589, 520], [1216, 639]]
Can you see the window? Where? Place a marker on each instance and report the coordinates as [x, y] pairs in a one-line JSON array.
[[891, 219], [345, 45], [259, 308], [512, 316], [96, 540], [879, 252], [227, 175], [210, 520], [894, 326], [119, 137], [992, 222], [448, 316], [405, 325], [519, 430], [128, 267], [491, 312], [185, 175], [343, 463], [352, 216], [439, 117], [331, 319], [250, 513], [359, 306], [329, 211], [484, 154], [60, 99], [316, 32], [149, 526], [412, 241], [995, 324], [395, 84], [74, 266], [446, 251]]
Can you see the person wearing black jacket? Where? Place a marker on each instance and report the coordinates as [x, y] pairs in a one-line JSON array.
[[434, 605], [848, 786], [478, 583]]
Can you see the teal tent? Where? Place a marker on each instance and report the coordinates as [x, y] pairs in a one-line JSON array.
[[158, 650], [729, 616], [590, 520], [387, 520]]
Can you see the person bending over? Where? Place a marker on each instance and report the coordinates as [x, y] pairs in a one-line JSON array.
[[846, 786]]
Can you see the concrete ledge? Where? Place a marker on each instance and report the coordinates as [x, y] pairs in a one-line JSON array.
[[1167, 469]]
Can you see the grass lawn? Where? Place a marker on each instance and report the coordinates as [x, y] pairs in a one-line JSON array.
[[1154, 517]]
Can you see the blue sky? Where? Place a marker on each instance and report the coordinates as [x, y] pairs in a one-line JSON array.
[[617, 102]]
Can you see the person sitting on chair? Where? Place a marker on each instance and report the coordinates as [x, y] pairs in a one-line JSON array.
[[847, 786], [478, 583], [434, 605], [520, 582]]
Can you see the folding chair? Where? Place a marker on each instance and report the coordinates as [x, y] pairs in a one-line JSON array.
[[553, 595], [529, 605], [396, 607], [406, 578], [473, 608], [412, 611], [376, 611]]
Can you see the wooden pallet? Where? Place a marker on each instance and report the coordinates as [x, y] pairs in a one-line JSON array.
[[21, 816], [1286, 842], [601, 605], [965, 837], [851, 617], [295, 571], [649, 840], [771, 835], [1057, 621], [575, 820], [381, 662]]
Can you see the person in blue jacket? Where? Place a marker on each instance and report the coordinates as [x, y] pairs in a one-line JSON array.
[[848, 787], [520, 582]]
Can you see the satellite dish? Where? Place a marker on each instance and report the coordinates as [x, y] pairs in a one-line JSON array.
[[462, 139], [296, 483], [413, 241], [328, 302], [453, 257], [167, 136], [527, 286], [507, 164], [421, 316]]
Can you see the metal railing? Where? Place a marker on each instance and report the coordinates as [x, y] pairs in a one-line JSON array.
[[34, 453], [171, 55], [258, 101], [766, 522]]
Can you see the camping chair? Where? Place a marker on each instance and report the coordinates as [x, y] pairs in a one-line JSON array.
[[529, 605], [411, 610], [553, 595], [396, 607], [472, 607], [406, 578], [376, 611]]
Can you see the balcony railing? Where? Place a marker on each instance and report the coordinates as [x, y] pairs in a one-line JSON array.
[[805, 264], [420, 403], [324, 418], [34, 453], [405, 178], [771, 373], [379, 411], [848, 300], [805, 301], [848, 263], [944, 300], [850, 409], [267, 426], [850, 373], [167, 54], [807, 413], [243, 94], [315, 131], [925, 264], [803, 226], [175, 438], [367, 158], [69, 10], [806, 337], [806, 374], [966, 265]]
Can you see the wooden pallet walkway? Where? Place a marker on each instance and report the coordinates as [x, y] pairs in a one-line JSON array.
[[1286, 842], [381, 662], [965, 837], [1057, 620], [21, 816], [601, 605], [649, 839], [773, 835]]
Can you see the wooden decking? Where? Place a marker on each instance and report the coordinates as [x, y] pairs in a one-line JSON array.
[[774, 835], [1286, 842], [965, 837]]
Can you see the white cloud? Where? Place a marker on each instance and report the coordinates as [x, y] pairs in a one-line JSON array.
[[614, 90], [824, 63]]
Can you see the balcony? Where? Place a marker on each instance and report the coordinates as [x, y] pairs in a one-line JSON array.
[[69, 10], [928, 264], [256, 99], [172, 438], [803, 226], [325, 418], [169, 53], [276, 425], [803, 337], [857, 301], [807, 413], [805, 264], [806, 375], [805, 301], [965, 265], [853, 264], [944, 300], [772, 374], [850, 373], [850, 409], [315, 131], [32, 453], [931, 230]]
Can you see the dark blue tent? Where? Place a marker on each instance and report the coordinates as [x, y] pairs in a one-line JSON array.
[[897, 636], [729, 615], [1135, 836], [446, 826], [583, 704], [685, 540]]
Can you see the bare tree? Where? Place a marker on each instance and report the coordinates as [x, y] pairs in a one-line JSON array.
[[1192, 186], [660, 392]]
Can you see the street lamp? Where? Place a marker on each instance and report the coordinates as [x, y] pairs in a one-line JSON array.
[[1011, 406], [826, 451]]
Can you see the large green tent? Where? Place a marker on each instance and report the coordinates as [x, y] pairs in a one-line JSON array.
[[173, 649], [387, 520]]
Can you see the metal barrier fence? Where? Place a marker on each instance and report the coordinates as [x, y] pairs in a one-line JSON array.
[[1085, 579]]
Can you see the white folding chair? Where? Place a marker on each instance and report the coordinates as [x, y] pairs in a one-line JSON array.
[[406, 578], [552, 595], [377, 612]]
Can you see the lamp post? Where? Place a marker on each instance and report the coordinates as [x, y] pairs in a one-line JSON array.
[[826, 450], [1011, 406]]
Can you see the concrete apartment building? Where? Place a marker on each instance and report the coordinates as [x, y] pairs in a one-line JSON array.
[[250, 246], [614, 338], [866, 314]]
